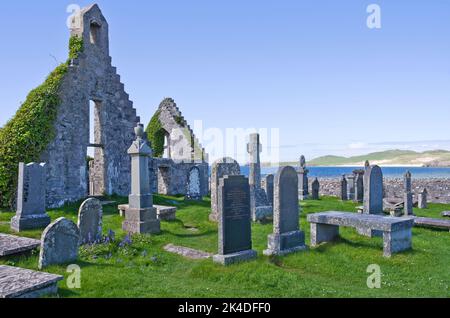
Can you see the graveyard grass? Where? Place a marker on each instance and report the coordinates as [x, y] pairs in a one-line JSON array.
[[144, 269]]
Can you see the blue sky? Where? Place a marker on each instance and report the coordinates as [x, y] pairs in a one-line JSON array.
[[310, 68]]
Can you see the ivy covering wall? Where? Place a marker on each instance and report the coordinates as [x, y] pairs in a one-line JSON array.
[[156, 134], [27, 135]]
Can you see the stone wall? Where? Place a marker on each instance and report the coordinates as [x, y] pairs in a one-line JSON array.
[[438, 189], [91, 77]]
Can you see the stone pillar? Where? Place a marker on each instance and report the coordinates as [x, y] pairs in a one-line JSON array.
[[254, 148], [31, 187], [344, 195], [408, 196], [303, 185], [423, 199], [140, 217]]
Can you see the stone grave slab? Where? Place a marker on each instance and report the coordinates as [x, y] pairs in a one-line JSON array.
[[187, 252], [10, 244], [23, 283]]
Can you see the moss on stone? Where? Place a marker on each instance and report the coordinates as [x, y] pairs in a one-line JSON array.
[[156, 134], [27, 135]]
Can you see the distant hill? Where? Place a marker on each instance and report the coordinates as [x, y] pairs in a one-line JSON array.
[[434, 158]]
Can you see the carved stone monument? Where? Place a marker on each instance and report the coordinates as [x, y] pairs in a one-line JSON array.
[[423, 199], [408, 196], [141, 216], [303, 185], [315, 189]]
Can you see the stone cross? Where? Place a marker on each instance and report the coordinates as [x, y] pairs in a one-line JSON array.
[[90, 217], [315, 189], [408, 196], [303, 183], [31, 193], [254, 148], [59, 243], [141, 216], [373, 190], [286, 237], [423, 199], [235, 230], [219, 169], [344, 194]]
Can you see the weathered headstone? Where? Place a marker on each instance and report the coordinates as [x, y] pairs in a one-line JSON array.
[[351, 187], [59, 243], [193, 186], [235, 236], [423, 199], [141, 216], [344, 196], [268, 187], [303, 185], [259, 204], [30, 212], [220, 168], [90, 221], [315, 189], [373, 190], [286, 237], [408, 196], [359, 186]]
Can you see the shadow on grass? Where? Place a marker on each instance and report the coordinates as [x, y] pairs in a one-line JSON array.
[[206, 233]]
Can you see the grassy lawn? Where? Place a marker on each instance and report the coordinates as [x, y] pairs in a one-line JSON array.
[[144, 269]]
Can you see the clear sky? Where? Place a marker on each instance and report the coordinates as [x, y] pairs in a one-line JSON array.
[[313, 69]]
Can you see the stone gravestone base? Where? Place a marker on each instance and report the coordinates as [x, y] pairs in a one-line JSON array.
[[32, 222], [23, 283], [10, 245], [234, 258], [286, 243], [141, 221]]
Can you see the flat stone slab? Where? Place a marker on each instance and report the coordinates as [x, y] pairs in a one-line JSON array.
[[187, 252], [10, 244], [374, 222], [446, 213], [433, 223], [23, 283]]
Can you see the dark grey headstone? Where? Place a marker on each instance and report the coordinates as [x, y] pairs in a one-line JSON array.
[[286, 237], [90, 221], [359, 186], [235, 236], [30, 212], [408, 196], [303, 183], [373, 190], [268, 187], [315, 189], [59, 243], [344, 194]]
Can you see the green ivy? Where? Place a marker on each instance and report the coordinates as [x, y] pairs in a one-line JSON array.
[[156, 134], [179, 120], [27, 135]]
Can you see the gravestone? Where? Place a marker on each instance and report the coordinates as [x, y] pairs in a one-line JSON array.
[[373, 190], [268, 187], [408, 196], [141, 216], [11, 245], [286, 237], [344, 196], [315, 189], [423, 199], [59, 243], [259, 204], [90, 221], [359, 186], [193, 186], [235, 231], [351, 187], [303, 185], [220, 168], [31, 186]]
